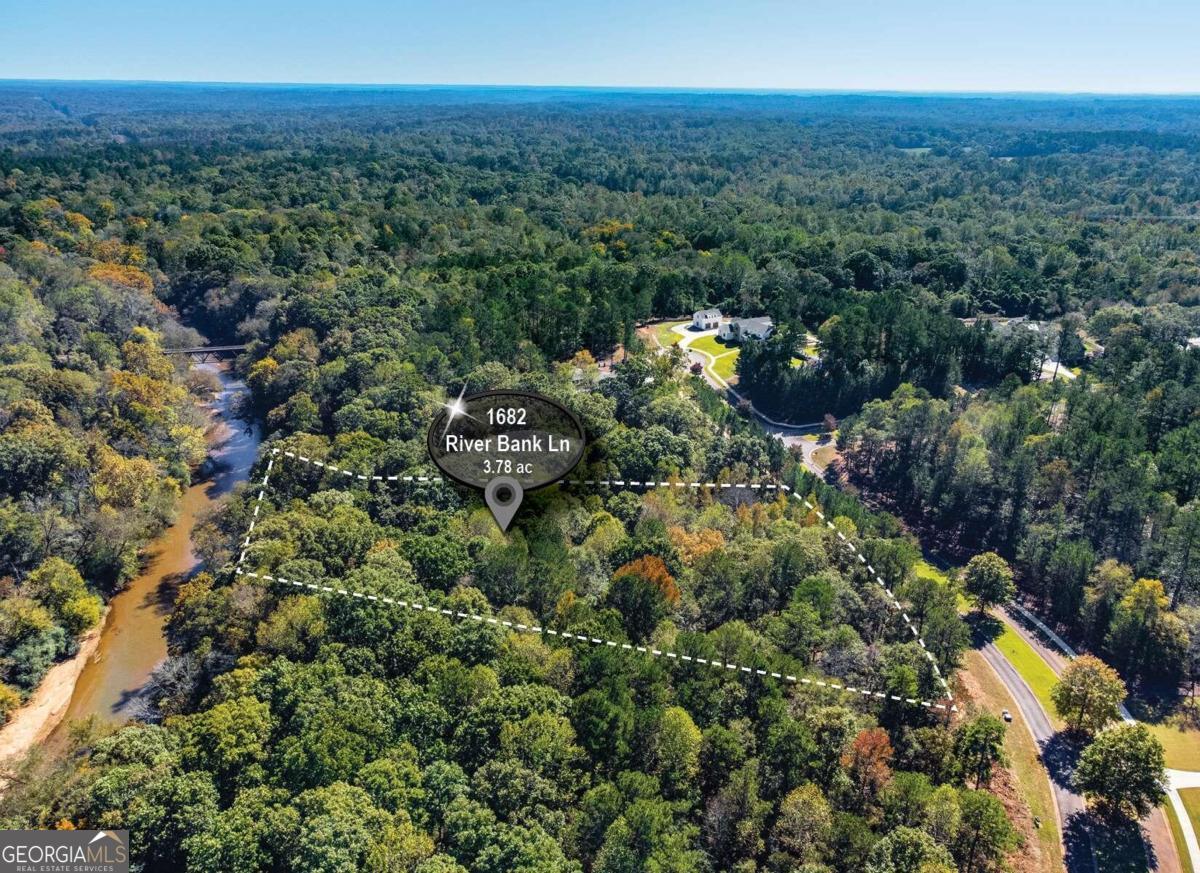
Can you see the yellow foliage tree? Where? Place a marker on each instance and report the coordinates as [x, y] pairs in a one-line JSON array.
[[143, 355], [9, 701], [79, 223], [607, 230], [297, 345], [122, 482], [190, 441], [131, 390], [262, 374], [59, 588]]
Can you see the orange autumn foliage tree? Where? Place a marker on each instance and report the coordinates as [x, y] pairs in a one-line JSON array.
[[653, 571], [643, 591], [868, 761], [122, 275], [693, 546]]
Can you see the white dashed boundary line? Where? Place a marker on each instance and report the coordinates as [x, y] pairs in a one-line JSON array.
[[262, 489], [583, 638], [808, 504]]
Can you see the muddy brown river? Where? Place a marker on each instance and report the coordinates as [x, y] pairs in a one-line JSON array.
[[132, 642]]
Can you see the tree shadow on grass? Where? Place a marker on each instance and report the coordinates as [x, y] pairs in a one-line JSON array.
[[984, 628], [1171, 707]]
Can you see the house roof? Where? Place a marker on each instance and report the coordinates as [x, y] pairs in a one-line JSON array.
[[707, 313], [761, 321]]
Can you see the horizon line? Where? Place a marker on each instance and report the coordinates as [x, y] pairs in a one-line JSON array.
[[660, 89]]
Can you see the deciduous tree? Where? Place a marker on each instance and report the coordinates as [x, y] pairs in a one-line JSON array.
[[1123, 771], [988, 581], [1088, 696]]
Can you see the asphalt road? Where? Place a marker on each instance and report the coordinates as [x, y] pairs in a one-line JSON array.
[[1155, 828], [1058, 760], [1058, 757]]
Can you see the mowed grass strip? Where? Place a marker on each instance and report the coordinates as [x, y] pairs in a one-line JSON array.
[[713, 346], [725, 366], [666, 334], [1191, 802], [824, 456], [1035, 671], [1023, 754], [926, 570], [725, 355], [1185, 859]]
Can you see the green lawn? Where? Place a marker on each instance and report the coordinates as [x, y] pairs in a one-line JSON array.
[[724, 367], [926, 570], [712, 345], [725, 355], [1191, 802], [1177, 835], [1036, 672], [665, 333], [824, 456], [1182, 747]]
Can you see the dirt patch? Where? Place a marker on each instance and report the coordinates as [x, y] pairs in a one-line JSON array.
[[825, 455]]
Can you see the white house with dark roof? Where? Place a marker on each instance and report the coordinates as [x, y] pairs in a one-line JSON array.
[[737, 329], [706, 319]]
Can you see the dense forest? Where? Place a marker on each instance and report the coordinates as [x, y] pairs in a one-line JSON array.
[[377, 250], [98, 435], [1090, 485]]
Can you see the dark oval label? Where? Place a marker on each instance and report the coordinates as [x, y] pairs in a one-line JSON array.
[[526, 436]]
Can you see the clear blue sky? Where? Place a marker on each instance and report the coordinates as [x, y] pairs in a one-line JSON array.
[[1011, 45]]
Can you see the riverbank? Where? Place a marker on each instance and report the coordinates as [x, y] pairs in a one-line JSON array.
[[108, 676], [32, 723]]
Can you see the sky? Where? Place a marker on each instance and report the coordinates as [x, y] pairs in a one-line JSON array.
[[1111, 46]]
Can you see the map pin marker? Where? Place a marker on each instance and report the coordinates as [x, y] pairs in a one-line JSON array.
[[503, 496]]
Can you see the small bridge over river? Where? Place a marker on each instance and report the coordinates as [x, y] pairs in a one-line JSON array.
[[201, 354]]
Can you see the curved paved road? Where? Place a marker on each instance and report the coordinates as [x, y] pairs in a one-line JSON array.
[[1056, 758], [1157, 831], [789, 434]]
